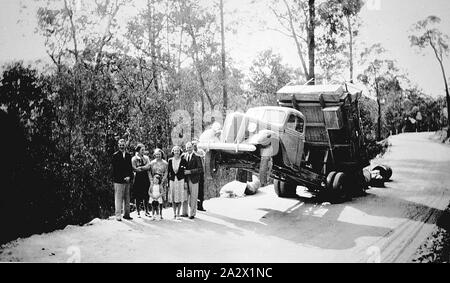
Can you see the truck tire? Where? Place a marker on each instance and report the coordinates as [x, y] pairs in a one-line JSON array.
[[330, 179], [339, 193], [385, 172], [284, 189]]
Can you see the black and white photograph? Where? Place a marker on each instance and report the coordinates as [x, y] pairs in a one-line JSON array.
[[231, 132]]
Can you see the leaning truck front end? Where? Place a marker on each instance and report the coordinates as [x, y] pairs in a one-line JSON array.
[[246, 141]]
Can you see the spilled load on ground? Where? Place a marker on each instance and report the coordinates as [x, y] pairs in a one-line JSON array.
[[313, 138]]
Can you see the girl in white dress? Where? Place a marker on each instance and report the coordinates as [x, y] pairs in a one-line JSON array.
[[156, 199]]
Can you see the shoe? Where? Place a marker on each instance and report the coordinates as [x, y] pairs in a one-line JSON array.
[[191, 217], [119, 219], [184, 215], [128, 218], [201, 209]]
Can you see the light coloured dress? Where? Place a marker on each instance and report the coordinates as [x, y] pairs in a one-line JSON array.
[[176, 187], [160, 167], [156, 191]]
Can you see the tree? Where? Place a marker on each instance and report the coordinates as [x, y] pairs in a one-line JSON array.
[[69, 32], [381, 76], [200, 26], [298, 21], [267, 76], [427, 34], [339, 18], [27, 116], [224, 69]]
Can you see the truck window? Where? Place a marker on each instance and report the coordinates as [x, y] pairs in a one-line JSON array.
[[295, 123], [300, 125], [272, 116], [291, 122]]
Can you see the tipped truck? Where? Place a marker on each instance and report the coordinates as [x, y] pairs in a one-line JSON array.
[[313, 138]]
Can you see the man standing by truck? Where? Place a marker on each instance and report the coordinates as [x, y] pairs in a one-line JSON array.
[[193, 172], [201, 186]]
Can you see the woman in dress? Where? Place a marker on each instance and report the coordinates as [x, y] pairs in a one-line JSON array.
[[141, 166], [176, 181], [159, 166]]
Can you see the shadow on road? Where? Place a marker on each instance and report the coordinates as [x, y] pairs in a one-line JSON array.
[[306, 222], [412, 195]]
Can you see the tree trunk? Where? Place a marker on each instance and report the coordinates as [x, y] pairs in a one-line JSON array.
[[73, 30], [152, 43], [224, 70], [297, 43], [311, 41], [350, 32], [447, 96], [198, 67], [379, 111]]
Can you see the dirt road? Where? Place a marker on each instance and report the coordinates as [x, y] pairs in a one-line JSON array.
[[387, 225]]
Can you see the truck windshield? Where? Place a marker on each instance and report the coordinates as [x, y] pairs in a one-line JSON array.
[[268, 115]]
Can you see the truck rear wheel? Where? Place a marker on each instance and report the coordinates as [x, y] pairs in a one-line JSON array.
[[284, 189], [330, 179], [339, 192]]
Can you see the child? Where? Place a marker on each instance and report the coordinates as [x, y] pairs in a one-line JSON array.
[[155, 200]]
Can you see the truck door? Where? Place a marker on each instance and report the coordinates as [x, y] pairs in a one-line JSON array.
[[300, 127], [294, 138]]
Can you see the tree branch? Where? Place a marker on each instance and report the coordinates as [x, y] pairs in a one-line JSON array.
[[73, 30], [297, 43]]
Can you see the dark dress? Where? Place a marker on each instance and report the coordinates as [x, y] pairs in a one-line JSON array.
[[141, 182]]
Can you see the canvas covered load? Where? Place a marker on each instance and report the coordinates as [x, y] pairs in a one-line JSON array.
[[333, 93]]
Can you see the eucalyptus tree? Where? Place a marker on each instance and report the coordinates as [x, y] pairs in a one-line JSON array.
[[425, 33], [381, 76], [338, 20]]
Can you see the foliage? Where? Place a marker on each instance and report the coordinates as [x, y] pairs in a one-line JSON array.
[[424, 34], [29, 152], [267, 76], [338, 20]]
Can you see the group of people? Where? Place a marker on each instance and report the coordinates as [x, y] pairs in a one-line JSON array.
[[155, 183]]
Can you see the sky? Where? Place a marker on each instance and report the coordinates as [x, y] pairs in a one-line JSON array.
[[384, 21]]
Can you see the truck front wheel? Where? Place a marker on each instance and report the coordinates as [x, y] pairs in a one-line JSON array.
[[285, 189]]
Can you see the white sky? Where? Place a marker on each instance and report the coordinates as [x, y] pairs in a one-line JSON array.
[[385, 21]]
